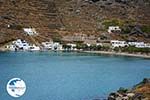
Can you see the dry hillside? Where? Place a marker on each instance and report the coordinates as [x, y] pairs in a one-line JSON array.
[[57, 18]]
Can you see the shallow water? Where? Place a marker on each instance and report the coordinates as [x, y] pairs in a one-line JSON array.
[[70, 76]]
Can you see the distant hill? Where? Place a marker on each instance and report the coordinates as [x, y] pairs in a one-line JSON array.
[[56, 18]]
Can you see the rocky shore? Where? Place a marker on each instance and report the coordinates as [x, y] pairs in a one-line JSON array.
[[120, 54], [140, 91]]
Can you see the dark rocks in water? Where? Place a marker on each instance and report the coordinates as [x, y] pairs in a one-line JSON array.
[[145, 81], [122, 90], [125, 94], [114, 96]]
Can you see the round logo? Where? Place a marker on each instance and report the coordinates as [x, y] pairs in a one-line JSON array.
[[16, 87]]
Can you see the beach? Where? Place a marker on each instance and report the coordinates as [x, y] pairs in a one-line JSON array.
[[119, 54]]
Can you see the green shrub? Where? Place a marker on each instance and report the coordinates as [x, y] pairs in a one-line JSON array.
[[132, 49], [122, 90], [113, 22], [146, 29]]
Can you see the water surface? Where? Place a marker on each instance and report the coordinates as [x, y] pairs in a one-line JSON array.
[[70, 76]]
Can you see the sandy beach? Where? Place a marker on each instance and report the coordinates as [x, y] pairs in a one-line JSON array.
[[119, 54]]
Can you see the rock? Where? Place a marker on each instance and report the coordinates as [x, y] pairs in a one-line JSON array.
[[130, 94], [138, 97], [114, 96], [146, 81], [134, 94]]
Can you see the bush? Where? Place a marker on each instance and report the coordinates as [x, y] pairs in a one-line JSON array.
[[146, 29], [67, 46], [19, 27], [114, 22], [122, 90], [116, 49], [82, 46], [132, 49]]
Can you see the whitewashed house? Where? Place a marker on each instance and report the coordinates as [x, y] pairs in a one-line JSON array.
[[112, 29], [21, 44], [47, 45], [142, 45], [11, 47], [135, 43], [139, 44], [57, 46], [117, 43], [147, 45], [52, 46], [73, 46], [30, 31]]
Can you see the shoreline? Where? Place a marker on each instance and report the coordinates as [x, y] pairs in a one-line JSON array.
[[118, 54], [106, 53]]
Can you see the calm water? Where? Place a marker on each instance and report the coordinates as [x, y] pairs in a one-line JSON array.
[[69, 76]]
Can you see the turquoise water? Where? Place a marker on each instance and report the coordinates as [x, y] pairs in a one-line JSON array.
[[69, 76]]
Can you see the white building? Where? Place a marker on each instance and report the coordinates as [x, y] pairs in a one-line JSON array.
[[57, 46], [47, 45], [30, 31], [73, 46], [21, 44], [52, 46], [142, 45], [112, 29], [11, 47], [147, 45], [135, 43], [139, 44], [117, 43]]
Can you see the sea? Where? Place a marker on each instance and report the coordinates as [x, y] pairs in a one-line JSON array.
[[70, 75]]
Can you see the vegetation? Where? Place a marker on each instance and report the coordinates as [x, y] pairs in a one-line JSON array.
[[113, 22], [93, 47], [56, 37], [132, 49], [122, 90], [146, 29], [66, 46], [129, 49], [82, 46], [123, 24], [126, 30], [138, 92]]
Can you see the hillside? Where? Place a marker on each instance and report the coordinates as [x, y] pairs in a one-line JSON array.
[[57, 18]]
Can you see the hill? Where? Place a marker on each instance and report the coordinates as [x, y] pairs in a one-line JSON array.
[[55, 19]]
